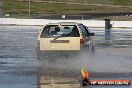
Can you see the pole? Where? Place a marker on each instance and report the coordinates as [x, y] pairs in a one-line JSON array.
[[82, 17], [29, 8], [1, 3], [107, 28]]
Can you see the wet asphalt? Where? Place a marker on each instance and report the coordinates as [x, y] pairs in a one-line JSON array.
[[19, 67]]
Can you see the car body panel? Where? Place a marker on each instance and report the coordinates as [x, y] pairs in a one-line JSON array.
[[63, 43], [70, 43]]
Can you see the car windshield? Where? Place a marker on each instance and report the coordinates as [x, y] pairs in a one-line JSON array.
[[63, 31]]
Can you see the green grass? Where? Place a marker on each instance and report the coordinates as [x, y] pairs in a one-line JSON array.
[[122, 2], [20, 9], [112, 2]]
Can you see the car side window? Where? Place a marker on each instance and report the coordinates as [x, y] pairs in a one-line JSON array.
[[83, 30]]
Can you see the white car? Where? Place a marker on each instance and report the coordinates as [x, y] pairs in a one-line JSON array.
[[63, 38]]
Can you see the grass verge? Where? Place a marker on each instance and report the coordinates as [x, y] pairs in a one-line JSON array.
[[21, 8]]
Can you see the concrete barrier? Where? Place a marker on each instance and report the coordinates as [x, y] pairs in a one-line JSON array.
[[89, 23]]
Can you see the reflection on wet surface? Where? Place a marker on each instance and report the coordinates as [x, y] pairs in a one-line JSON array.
[[19, 67], [120, 37], [49, 82]]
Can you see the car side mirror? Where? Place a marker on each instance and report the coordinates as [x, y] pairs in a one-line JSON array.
[[91, 34]]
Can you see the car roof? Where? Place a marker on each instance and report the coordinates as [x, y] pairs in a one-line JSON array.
[[64, 23]]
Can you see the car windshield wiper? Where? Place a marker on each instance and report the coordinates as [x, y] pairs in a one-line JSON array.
[[57, 37]]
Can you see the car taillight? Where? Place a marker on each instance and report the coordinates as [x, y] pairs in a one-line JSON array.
[[81, 41]]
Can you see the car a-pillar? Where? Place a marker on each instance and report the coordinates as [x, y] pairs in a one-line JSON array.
[[108, 26]]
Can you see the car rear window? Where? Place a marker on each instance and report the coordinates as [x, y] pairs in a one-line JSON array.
[[63, 31]]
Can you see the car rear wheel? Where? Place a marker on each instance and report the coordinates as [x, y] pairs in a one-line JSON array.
[[92, 50]]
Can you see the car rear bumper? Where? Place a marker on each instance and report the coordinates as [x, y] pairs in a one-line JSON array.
[[52, 54], [60, 53]]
